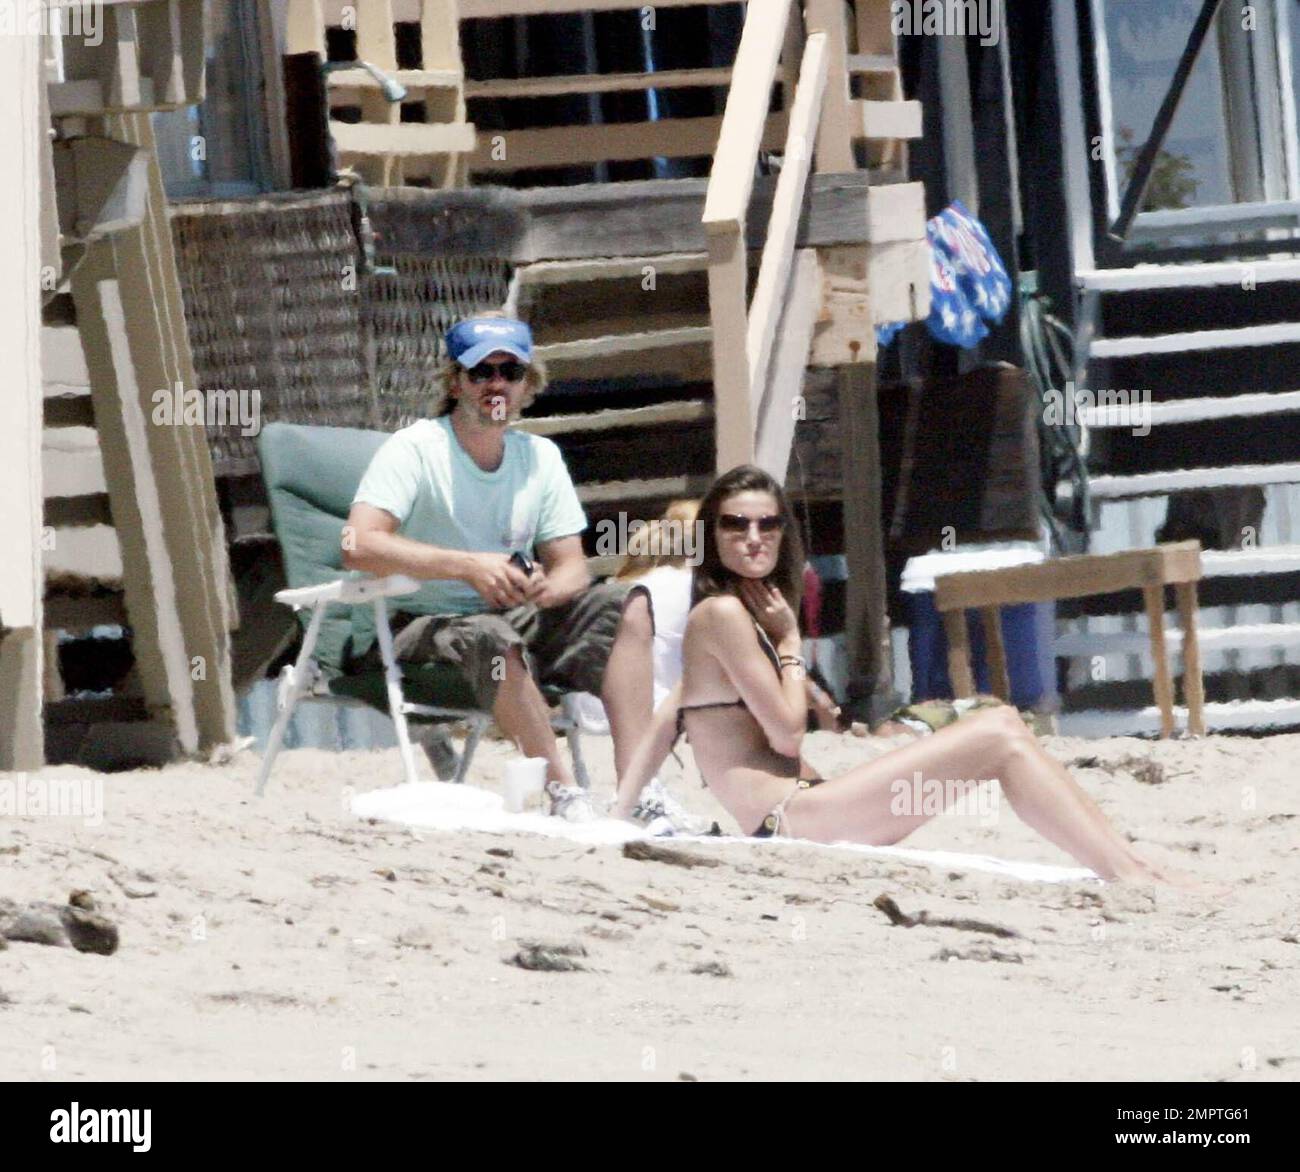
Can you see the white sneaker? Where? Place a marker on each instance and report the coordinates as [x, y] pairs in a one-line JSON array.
[[663, 815], [570, 802]]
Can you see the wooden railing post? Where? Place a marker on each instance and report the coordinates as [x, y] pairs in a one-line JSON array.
[[730, 183], [834, 135]]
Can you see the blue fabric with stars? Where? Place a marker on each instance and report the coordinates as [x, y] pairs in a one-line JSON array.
[[969, 285]]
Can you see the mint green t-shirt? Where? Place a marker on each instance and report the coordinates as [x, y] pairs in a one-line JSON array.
[[433, 487]]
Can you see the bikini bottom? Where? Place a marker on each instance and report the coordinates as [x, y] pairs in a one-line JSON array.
[[771, 825]]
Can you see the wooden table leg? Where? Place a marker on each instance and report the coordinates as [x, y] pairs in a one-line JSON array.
[[1164, 685], [1193, 683], [997, 654], [959, 673]]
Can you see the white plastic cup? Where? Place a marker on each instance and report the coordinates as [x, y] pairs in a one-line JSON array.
[[524, 778]]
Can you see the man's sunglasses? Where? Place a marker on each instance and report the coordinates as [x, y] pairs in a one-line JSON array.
[[737, 523], [484, 372]]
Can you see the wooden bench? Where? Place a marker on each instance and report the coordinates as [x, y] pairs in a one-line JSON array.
[[1149, 570]]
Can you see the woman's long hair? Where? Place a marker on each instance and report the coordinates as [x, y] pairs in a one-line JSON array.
[[711, 576]]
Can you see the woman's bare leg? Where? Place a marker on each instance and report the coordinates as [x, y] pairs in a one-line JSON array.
[[861, 805]]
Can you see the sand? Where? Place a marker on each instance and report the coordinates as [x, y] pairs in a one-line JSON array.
[[284, 938]]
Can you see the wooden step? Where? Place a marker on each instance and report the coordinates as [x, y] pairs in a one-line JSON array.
[[602, 83], [1190, 410], [609, 268], [470, 9], [1252, 635], [1277, 334], [866, 64], [1141, 278], [625, 343], [402, 138], [412, 79], [1268, 559], [656, 415], [617, 491], [1183, 480]]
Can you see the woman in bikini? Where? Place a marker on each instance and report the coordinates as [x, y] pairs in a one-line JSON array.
[[742, 702]]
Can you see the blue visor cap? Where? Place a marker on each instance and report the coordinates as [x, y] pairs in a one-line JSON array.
[[472, 340]]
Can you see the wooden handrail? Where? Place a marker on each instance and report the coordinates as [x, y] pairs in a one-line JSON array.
[[778, 250], [731, 182], [732, 178]]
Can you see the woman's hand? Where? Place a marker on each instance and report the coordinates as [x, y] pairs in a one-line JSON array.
[[768, 606]]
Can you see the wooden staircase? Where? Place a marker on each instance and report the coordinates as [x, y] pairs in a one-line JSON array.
[[1224, 415]]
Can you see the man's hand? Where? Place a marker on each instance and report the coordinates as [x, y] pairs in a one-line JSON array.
[[540, 591], [499, 583]]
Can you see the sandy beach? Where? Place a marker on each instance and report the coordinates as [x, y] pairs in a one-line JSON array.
[[286, 939]]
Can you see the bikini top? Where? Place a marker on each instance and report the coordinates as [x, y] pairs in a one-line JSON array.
[[771, 654]]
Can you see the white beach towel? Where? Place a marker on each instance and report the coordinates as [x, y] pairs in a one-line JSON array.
[[430, 805]]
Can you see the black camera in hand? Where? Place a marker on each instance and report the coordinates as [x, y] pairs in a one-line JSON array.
[[522, 562]]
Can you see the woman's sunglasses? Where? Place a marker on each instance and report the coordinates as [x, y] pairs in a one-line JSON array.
[[484, 372], [737, 523]]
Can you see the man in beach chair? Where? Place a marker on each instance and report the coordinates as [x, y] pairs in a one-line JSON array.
[[487, 518]]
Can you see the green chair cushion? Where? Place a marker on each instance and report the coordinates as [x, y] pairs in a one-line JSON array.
[[311, 475]]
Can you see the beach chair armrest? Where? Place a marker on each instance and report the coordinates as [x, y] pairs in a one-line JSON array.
[[348, 590]]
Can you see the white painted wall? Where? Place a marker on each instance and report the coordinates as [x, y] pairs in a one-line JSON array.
[[21, 581]]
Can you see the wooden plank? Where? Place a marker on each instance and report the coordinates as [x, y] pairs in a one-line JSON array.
[[1070, 577], [887, 119], [603, 83], [1154, 598], [1182, 480], [619, 343], [305, 28], [898, 276], [873, 22], [412, 79], [1239, 637], [732, 397], [1189, 410], [22, 129], [1272, 559], [376, 41], [633, 490], [471, 9], [1193, 682], [835, 130], [871, 64], [866, 623], [846, 331], [959, 668], [401, 138], [641, 217], [1136, 278], [124, 59], [655, 415], [745, 122], [773, 285], [1278, 334], [896, 213], [159, 26], [564, 146], [564, 272], [777, 412], [996, 652]]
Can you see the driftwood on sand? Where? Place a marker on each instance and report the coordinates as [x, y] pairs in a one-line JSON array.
[[76, 924]]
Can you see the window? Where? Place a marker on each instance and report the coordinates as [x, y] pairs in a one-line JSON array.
[[1232, 143]]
